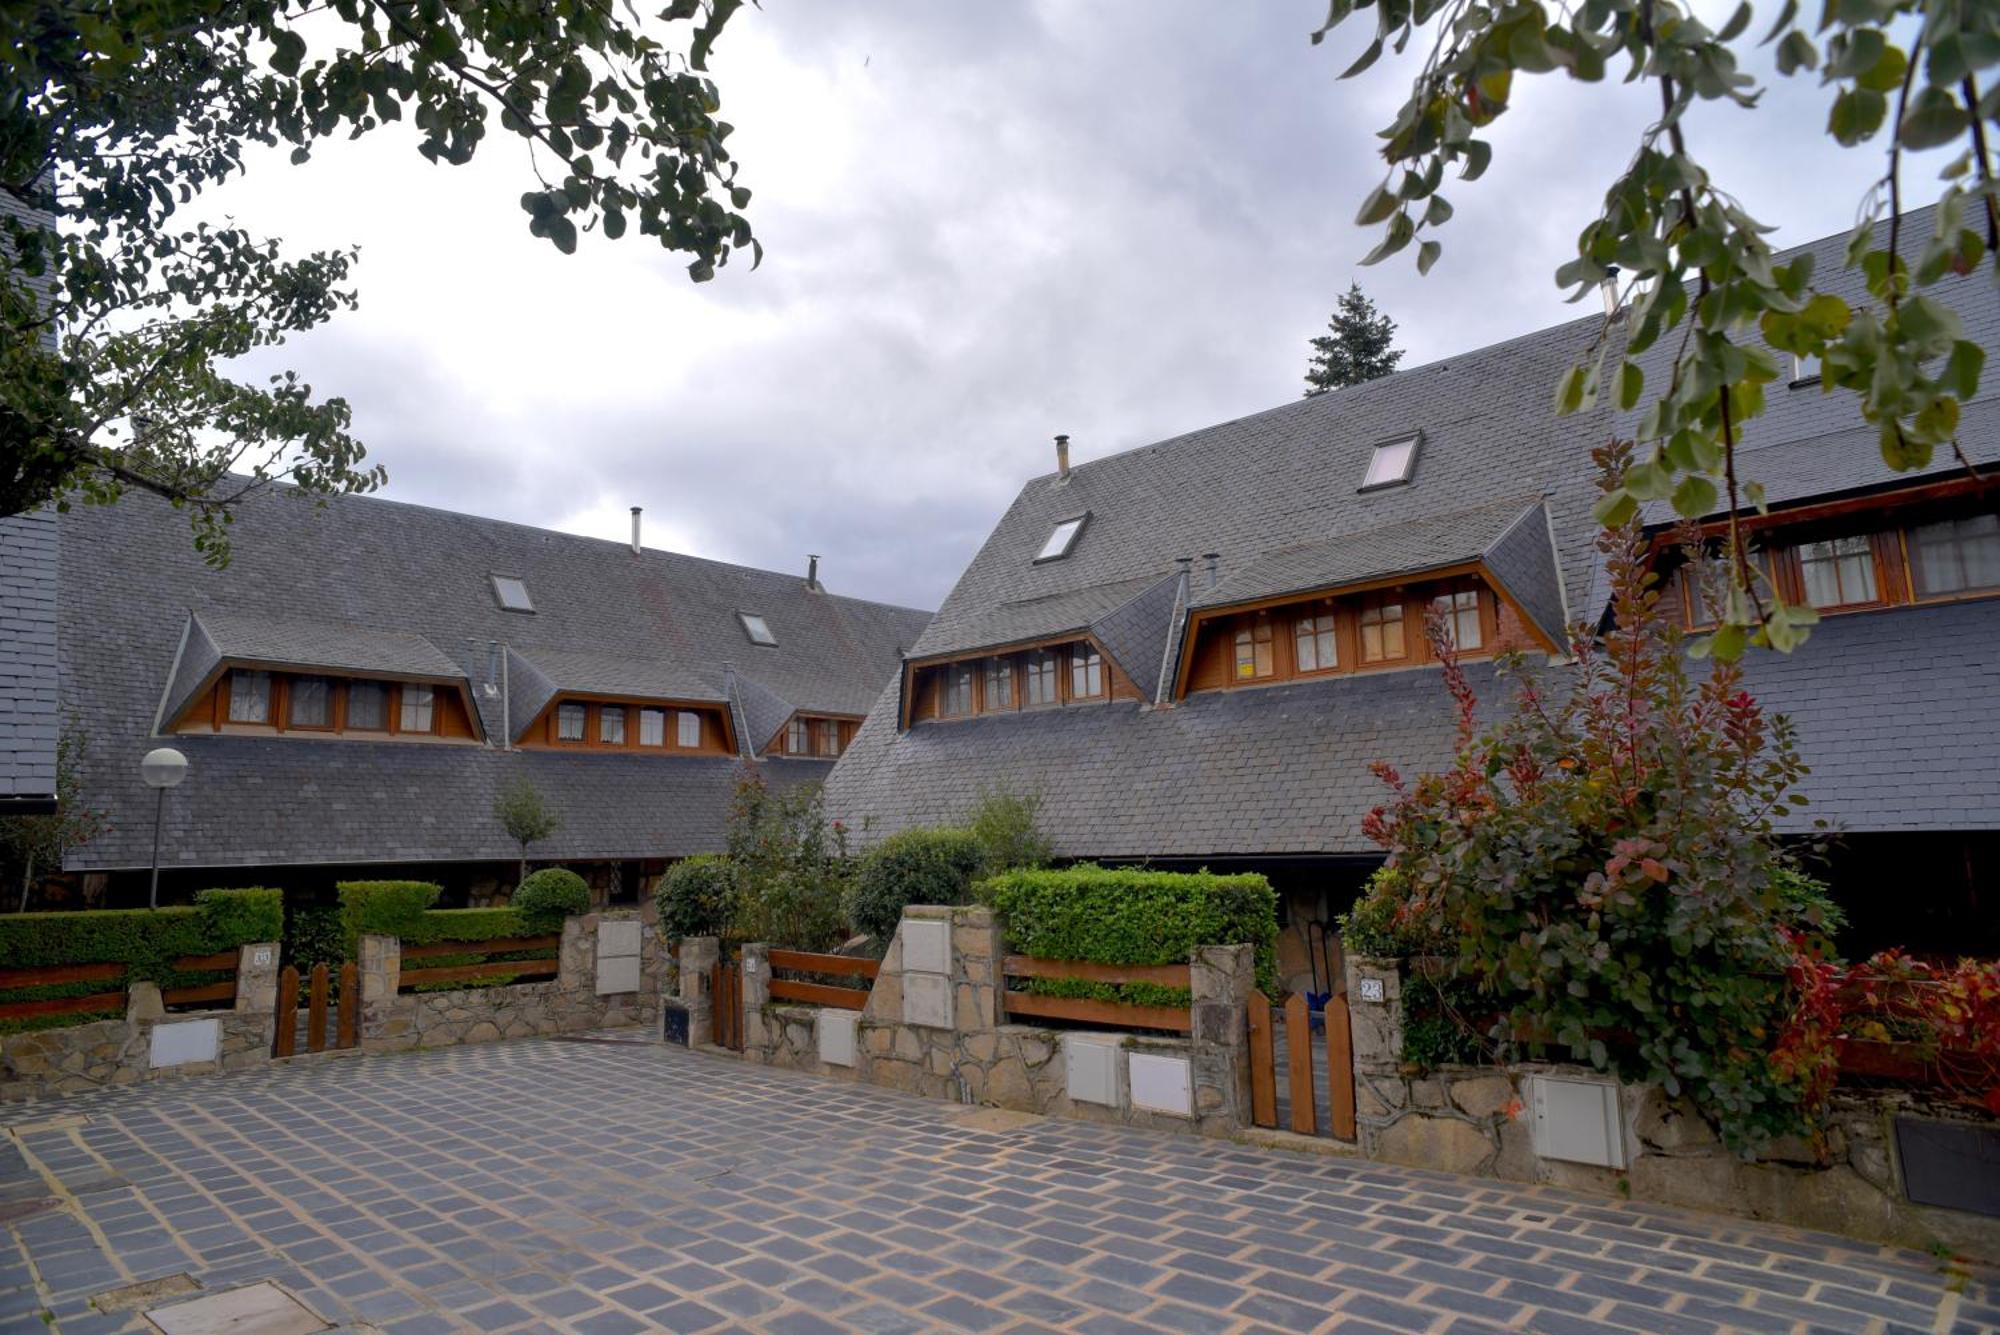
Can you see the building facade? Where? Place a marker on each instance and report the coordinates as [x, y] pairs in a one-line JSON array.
[[1192, 652], [364, 679]]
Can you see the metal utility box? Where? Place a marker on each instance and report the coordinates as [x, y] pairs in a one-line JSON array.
[[1579, 1121]]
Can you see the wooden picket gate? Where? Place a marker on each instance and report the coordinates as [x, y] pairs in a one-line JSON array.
[[1301, 1089], [347, 1032], [725, 992]]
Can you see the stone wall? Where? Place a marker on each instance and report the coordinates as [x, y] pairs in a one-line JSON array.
[[148, 1043], [1482, 1120], [597, 986], [933, 1026]]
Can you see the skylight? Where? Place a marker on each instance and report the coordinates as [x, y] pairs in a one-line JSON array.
[[1061, 539], [512, 594], [756, 628], [1390, 463]]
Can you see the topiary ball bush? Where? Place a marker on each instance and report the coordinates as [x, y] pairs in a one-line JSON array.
[[697, 897], [914, 867], [548, 896]]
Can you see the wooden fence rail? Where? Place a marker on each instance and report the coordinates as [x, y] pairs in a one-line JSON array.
[[542, 966], [821, 994], [1090, 1010], [223, 991]]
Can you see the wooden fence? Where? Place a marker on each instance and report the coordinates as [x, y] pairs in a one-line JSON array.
[[821, 994], [725, 993], [1090, 1010], [284, 1041], [112, 998], [1302, 1096], [537, 967]]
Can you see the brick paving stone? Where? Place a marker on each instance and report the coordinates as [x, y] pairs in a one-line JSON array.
[[548, 1186]]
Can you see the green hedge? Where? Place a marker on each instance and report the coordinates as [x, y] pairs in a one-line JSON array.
[[548, 896], [382, 908], [914, 867], [145, 941], [1117, 915], [697, 897]]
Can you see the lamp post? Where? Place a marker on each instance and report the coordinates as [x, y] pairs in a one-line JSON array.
[[161, 769]]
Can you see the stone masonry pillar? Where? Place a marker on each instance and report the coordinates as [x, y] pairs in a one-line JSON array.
[[381, 970], [1221, 979], [1375, 1017], [978, 953], [698, 957], [257, 978], [756, 992]]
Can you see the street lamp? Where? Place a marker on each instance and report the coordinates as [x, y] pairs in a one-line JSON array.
[[161, 769]]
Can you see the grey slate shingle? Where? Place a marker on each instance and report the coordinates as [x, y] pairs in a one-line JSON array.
[[29, 706], [375, 580]]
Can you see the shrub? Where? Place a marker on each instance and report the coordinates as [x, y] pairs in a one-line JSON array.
[[313, 935], [1602, 858], [146, 941], [913, 867], [382, 908], [697, 897], [1136, 916], [791, 866], [1005, 826], [550, 895]]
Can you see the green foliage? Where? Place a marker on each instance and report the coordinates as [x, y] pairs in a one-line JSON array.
[[526, 818], [1131, 915], [1381, 925], [146, 941], [912, 867], [1355, 348], [116, 117], [382, 908], [1698, 269], [697, 897], [1603, 864], [550, 895], [791, 866], [313, 935], [1007, 828]]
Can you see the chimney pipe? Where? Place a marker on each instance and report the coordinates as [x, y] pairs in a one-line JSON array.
[[1062, 457], [1609, 289], [812, 570], [1213, 560], [1186, 563], [635, 530]]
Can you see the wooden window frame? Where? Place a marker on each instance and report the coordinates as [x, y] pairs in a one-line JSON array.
[[292, 724], [968, 673], [1879, 571], [681, 717], [1032, 663], [1080, 662], [604, 714], [1912, 564], [556, 736], [660, 713], [998, 671], [389, 715], [798, 737], [1259, 634], [1382, 602], [1301, 635], [227, 701]]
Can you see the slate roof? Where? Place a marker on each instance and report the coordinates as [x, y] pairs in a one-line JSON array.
[[29, 717], [365, 584], [1498, 477]]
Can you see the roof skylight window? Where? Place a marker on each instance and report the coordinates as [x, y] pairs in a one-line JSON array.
[[1391, 463], [511, 593], [1061, 539], [757, 628]]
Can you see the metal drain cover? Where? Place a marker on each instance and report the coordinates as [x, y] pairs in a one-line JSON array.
[[257, 1309]]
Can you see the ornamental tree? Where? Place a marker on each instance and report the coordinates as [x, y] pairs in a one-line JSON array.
[[1356, 347], [1602, 860], [1694, 264], [120, 320]]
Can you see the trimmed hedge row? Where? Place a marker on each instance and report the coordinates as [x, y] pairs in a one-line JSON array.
[[1131, 915], [921, 866], [146, 941]]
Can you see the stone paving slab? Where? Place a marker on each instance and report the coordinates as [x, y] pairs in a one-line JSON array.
[[608, 1188]]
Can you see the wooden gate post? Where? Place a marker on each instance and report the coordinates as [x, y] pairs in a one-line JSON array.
[[316, 1010], [1339, 1068], [1299, 1058], [1263, 1062], [285, 1039], [350, 1006]]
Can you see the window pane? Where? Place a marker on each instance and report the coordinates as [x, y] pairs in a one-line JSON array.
[[569, 720], [1957, 555], [758, 629], [1318, 650], [1086, 673], [1061, 538], [1839, 572], [249, 697], [795, 737], [310, 704], [512, 593], [652, 727], [611, 725], [957, 697], [1390, 462], [1042, 677], [690, 728], [999, 684], [1381, 632], [417, 709], [367, 706], [1461, 617], [829, 737]]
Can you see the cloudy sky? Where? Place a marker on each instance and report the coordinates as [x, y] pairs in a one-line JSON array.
[[983, 224]]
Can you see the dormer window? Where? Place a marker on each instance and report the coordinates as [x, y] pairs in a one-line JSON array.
[[1805, 368], [511, 592], [757, 628], [1391, 463], [1061, 539]]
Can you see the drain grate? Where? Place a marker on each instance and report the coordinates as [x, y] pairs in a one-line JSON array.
[[256, 1309]]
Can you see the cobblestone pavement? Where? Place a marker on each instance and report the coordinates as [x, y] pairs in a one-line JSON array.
[[547, 1185]]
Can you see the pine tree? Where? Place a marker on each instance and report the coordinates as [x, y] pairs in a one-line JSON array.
[[1354, 348]]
